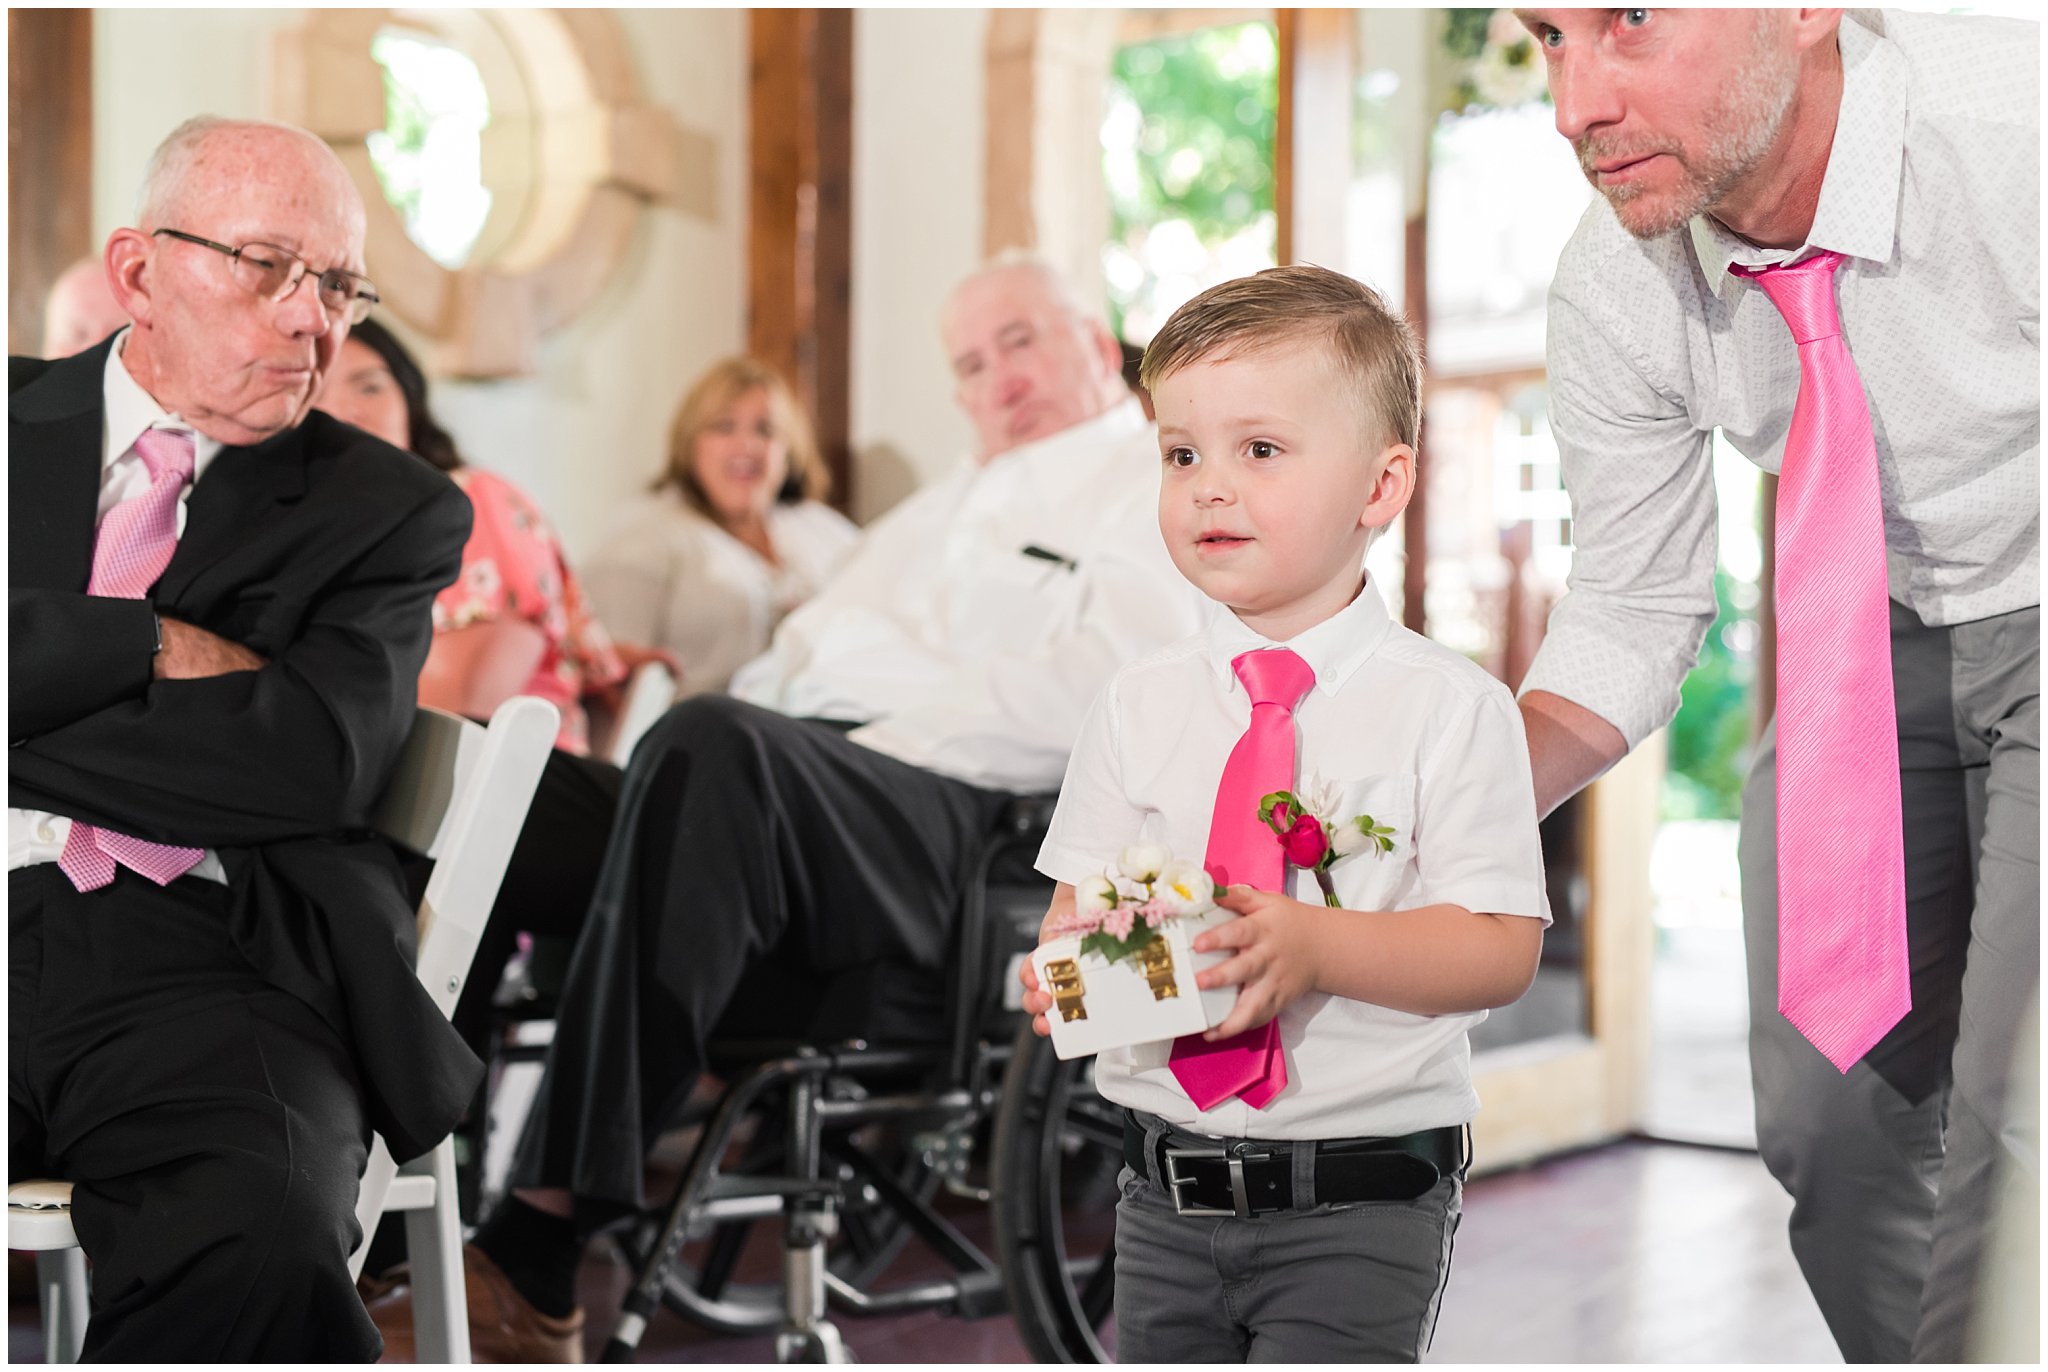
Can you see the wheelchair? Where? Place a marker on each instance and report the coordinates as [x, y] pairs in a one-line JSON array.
[[852, 1144]]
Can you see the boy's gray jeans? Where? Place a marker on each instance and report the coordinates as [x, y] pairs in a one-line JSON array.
[[1336, 1283]]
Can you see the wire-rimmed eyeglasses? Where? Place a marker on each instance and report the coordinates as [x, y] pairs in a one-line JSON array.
[[274, 273]]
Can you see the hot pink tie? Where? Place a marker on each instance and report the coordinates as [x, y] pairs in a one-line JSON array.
[[134, 545], [1842, 959], [1244, 851]]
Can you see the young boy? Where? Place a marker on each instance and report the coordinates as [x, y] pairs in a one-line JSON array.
[[1315, 1223]]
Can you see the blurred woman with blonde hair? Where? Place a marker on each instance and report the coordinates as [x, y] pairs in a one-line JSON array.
[[734, 533]]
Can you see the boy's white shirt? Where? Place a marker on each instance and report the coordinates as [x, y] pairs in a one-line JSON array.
[[1409, 732]]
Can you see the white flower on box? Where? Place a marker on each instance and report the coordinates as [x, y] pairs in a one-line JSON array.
[[1095, 896], [1184, 889], [1143, 862]]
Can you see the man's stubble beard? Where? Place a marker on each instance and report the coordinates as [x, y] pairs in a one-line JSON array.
[[1756, 109]]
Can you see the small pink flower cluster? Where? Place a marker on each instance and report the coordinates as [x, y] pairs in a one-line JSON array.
[[1118, 921]]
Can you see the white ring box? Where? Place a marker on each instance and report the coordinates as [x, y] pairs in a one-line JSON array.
[[1138, 999]]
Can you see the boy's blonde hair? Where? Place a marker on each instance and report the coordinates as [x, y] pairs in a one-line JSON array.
[[1371, 345]]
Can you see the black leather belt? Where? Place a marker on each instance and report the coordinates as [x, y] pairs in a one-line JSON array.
[[1250, 1177]]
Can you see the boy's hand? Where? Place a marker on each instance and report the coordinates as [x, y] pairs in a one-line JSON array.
[[1036, 1001], [1276, 946]]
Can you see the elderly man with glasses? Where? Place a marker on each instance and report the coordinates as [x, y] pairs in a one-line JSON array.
[[218, 608]]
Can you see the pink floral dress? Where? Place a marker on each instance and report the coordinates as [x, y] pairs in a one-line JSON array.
[[513, 568]]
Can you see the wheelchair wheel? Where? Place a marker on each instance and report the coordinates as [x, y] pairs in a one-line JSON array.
[[704, 1284], [1058, 1147]]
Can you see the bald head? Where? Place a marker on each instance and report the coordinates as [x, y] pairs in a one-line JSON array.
[[1029, 359], [207, 156], [81, 310], [1018, 270], [224, 204]]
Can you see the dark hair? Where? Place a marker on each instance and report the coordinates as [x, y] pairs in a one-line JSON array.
[[428, 439]]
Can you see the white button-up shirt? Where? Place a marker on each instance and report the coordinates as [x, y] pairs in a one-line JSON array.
[[1932, 192], [670, 577], [126, 414], [1396, 727], [976, 620]]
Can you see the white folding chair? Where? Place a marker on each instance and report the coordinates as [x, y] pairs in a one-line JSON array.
[[652, 691], [459, 796]]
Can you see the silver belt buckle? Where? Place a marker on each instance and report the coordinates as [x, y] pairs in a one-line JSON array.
[[1240, 1201]]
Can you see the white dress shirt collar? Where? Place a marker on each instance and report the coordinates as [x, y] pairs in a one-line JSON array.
[[1857, 215], [129, 411], [1333, 649]]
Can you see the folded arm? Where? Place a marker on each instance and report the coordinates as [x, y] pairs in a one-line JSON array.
[[71, 654], [299, 747]]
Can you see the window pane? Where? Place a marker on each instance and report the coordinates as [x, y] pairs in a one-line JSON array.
[[1187, 153], [429, 154]]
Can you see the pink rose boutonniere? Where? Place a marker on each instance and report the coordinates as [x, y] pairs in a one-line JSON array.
[[1314, 839]]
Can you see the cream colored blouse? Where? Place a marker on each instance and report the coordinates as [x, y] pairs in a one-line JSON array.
[[671, 578]]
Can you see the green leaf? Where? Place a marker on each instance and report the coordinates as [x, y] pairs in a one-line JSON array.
[[1273, 799], [1113, 949], [1100, 943]]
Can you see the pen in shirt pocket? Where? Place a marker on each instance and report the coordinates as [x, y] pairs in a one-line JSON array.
[[1048, 555]]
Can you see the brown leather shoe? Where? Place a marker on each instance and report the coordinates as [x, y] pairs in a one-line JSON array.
[[503, 1327]]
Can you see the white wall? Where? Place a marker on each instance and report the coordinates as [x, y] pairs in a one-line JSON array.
[[587, 429], [919, 82]]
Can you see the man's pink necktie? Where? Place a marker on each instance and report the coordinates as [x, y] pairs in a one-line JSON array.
[[135, 543], [1244, 851], [1842, 961]]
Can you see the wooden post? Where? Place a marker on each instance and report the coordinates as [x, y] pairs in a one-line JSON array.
[[1312, 134], [1415, 519], [800, 214], [49, 160]]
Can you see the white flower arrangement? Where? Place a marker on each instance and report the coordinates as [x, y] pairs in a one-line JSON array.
[[1119, 912]]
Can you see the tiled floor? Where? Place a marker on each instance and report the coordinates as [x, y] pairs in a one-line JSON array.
[[1639, 1252]]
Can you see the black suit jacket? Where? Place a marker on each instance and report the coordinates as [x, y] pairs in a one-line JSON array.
[[320, 548]]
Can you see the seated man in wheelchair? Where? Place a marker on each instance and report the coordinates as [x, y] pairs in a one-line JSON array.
[[817, 831]]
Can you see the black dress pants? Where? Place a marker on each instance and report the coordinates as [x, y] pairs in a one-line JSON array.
[[212, 1125], [762, 868]]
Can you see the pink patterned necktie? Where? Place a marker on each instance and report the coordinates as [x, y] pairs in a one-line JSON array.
[[135, 543], [1842, 960], [1244, 851]]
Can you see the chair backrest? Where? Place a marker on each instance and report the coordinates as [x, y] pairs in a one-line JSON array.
[[652, 691], [458, 795]]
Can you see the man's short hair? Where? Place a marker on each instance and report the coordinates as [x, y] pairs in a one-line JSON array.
[[1371, 345]]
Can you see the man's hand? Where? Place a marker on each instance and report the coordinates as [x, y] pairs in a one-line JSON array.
[[1036, 1001], [1278, 943], [190, 652]]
